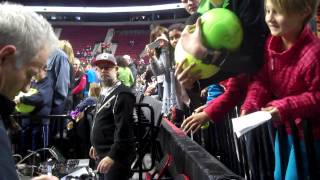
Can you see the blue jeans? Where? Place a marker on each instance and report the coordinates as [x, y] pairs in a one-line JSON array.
[[36, 130]]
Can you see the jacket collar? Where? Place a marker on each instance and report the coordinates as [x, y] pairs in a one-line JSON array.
[[275, 44]]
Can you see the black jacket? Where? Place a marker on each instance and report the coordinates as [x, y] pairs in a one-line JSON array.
[[7, 167], [112, 132]]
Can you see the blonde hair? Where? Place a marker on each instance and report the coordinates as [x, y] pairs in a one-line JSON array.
[[94, 90], [67, 48], [295, 6]]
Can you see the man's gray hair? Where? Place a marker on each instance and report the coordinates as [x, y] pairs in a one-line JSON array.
[[28, 31]]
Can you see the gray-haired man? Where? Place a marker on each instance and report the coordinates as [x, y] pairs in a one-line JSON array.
[[26, 41]]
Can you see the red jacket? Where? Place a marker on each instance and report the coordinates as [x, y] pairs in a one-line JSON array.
[[81, 86], [289, 81], [236, 88]]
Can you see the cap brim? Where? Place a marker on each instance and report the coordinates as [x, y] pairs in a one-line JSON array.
[[99, 62]]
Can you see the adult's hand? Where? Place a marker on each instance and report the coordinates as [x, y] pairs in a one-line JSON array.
[[105, 164], [194, 122], [191, 41], [185, 77]]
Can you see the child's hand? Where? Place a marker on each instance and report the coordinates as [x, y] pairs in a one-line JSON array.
[[243, 112], [194, 122], [273, 111]]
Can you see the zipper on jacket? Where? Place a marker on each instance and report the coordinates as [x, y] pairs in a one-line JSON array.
[[272, 63]]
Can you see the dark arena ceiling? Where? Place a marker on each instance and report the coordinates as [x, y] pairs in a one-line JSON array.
[[92, 2], [165, 16]]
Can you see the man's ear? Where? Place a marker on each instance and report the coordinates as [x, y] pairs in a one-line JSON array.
[[6, 51]]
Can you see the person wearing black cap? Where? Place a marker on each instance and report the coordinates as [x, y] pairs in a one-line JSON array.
[[111, 134]]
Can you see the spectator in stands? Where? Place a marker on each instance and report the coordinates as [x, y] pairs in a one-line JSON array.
[[67, 48], [112, 136], [288, 85], [59, 71], [174, 34], [94, 92], [26, 41], [160, 54], [191, 6], [91, 78], [42, 101], [132, 66], [124, 72], [59, 74], [81, 82]]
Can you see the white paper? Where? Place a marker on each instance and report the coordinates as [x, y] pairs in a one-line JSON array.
[[243, 124]]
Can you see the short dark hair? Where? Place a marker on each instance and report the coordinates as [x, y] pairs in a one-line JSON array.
[[177, 26], [121, 61]]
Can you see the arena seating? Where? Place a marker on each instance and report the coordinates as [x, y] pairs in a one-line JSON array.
[[132, 49], [81, 36]]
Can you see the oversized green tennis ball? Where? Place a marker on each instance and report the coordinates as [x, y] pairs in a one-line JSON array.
[[206, 70], [25, 108], [221, 28]]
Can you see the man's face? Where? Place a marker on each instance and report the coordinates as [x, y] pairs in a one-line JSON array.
[[191, 6], [174, 36], [13, 79], [107, 74]]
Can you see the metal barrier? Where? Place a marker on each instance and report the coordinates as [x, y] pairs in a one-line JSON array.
[[252, 155]]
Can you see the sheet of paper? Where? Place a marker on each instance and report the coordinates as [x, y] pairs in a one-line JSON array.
[[243, 124]]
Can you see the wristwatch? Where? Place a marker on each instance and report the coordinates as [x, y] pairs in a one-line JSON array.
[[211, 57]]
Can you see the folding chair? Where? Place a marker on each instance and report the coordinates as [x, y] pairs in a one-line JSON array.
[[147, 116]]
